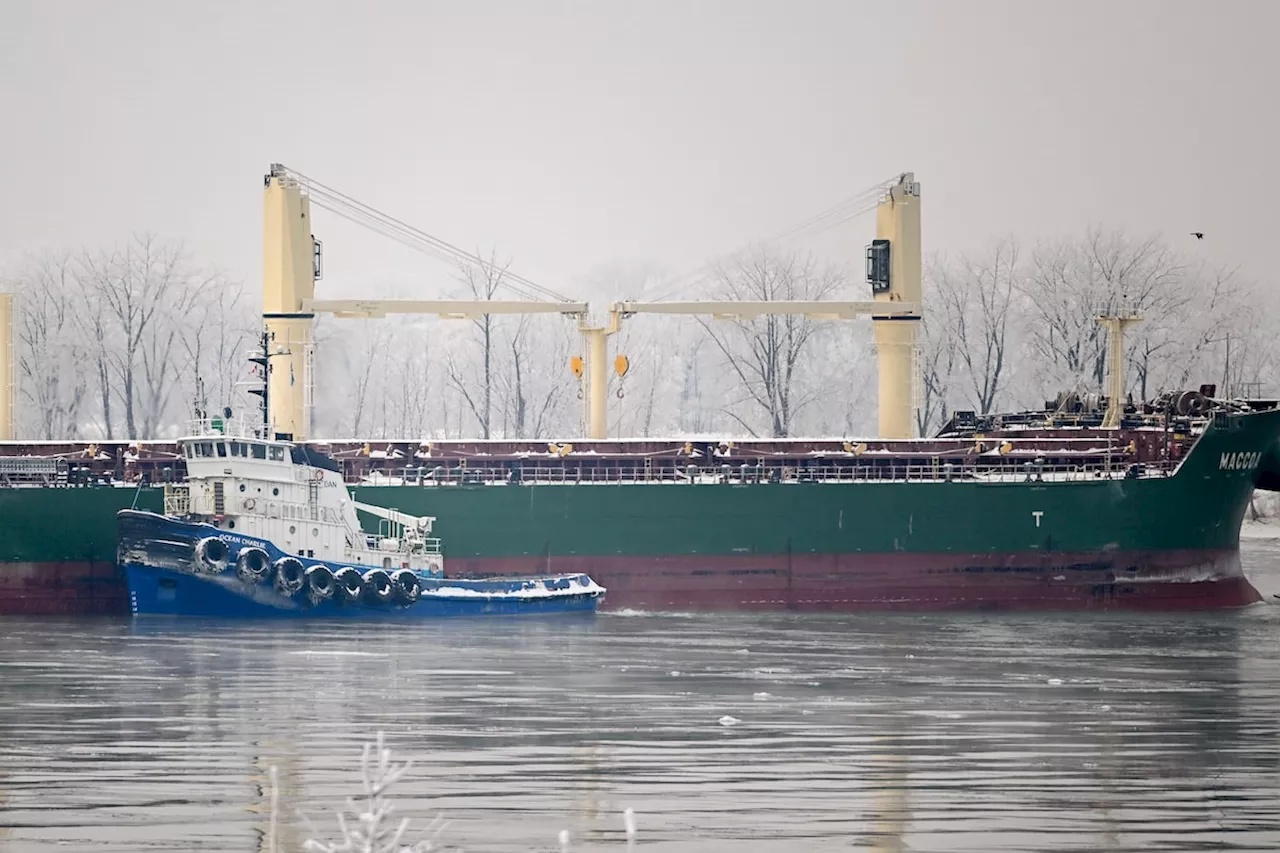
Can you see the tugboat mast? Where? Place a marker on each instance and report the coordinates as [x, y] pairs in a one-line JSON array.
[[263, 358]]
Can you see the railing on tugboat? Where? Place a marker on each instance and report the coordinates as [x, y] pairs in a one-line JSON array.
[[218, 427], [391, 544], [177, 499]]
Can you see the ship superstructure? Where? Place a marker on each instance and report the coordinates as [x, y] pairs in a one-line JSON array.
[[292, 495]]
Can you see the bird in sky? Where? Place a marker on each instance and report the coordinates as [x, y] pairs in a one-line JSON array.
[[1199, 235]]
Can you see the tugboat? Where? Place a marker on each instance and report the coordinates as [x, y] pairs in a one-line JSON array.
[[265, 527]]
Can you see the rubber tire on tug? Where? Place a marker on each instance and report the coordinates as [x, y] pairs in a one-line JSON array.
[[253, 565], [408, 587], [211, 554], [290, 576], [320, 584], [349, 584], [378, 587]]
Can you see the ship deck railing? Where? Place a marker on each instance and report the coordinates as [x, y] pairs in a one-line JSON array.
[[32, 471], [18, 472], [934, 471]]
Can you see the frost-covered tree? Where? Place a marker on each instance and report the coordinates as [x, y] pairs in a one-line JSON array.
[[766, 354], [51, 376]]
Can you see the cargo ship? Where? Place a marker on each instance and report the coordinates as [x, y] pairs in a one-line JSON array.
[[1091, 502], [1038, 510]]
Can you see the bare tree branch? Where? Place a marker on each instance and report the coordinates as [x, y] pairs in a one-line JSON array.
[[765, 354]]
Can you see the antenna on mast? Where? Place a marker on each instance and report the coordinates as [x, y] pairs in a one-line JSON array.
[[201, 402], [263, 358]]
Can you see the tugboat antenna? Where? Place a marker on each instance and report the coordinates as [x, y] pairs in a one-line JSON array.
[[263, 358]]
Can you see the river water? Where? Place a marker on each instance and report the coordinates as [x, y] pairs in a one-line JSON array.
[[1084, 732]]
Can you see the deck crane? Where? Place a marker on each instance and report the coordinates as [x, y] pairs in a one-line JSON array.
[[894, 273], [292, 264]]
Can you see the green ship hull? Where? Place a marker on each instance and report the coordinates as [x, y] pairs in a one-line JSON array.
[[928, 542]]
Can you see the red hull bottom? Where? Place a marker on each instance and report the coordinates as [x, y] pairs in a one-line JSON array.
[[1157, 580], [46, 589]]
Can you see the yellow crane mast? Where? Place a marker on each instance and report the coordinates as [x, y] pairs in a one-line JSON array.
[[894, 273]]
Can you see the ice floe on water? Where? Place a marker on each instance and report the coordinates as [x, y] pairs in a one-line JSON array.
[[631, 612]]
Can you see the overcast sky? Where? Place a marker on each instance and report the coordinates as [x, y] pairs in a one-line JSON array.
[[575, 136]]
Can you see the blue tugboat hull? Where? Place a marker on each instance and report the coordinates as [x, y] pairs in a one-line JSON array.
[[166, 577], [169, 593]]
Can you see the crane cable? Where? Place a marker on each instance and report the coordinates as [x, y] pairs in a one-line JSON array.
[[416, 238], [852, 207], [409, 239], [370, 217], [421, 241]]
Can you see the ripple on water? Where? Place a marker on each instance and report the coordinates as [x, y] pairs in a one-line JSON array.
[[723, 732]]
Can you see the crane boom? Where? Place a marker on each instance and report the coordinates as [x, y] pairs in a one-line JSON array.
[[449, 308], [746, 310], [412, 522]]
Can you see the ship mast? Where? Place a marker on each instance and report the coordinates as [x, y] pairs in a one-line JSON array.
[[1115, 324], [263, 359]]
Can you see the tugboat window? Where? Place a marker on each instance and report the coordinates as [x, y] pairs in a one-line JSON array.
[[259, 451], [277, 454], [222, 449], [242, 487], [206, 449], [275, 491]]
